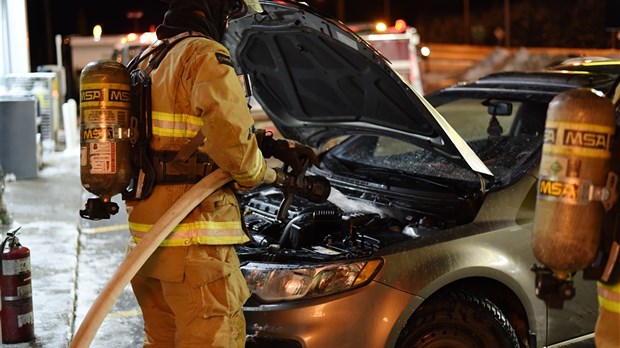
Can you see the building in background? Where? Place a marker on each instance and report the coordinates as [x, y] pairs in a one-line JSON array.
[[14, 51]]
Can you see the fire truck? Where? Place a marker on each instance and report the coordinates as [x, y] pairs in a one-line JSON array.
[[132, 45], [398, 43]]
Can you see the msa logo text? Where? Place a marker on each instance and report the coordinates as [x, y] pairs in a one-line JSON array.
[[558, 189], [550, 135], [91, 95], [591, 140], [119, 95], [98, 133]]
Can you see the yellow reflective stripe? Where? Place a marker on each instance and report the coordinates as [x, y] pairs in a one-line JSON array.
[[609, 297], [198, 232], [191, 226], [210, 240], [176, 125], [255, 174], [611, 306], [185, 118], [173, 133]]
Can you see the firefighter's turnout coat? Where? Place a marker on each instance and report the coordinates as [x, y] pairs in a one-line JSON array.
[[195, 89]]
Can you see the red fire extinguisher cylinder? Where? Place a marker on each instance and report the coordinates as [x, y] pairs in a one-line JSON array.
[[16, 315]]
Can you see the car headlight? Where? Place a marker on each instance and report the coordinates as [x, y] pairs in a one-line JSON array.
[[285, 282]]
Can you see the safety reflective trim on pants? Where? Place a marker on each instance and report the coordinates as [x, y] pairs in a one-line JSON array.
[[609, 297], [176, 125], [201, 240], [255, 175]]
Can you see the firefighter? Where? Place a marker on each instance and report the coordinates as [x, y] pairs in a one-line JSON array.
[[580, 231], [607, 330], [191, 289]]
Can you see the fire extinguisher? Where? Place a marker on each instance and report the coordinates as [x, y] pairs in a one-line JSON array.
[[575, 183], [17, 319], [105, 148]]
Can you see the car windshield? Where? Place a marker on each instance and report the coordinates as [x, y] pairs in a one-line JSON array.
[[504, 134]]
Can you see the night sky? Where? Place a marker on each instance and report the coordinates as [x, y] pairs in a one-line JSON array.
[[561, 23], [48, 18], [79, 16]]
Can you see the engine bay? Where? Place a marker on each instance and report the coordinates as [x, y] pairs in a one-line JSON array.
[[316, 231]]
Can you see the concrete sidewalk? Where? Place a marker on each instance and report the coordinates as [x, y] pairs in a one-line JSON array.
[[72, 259]]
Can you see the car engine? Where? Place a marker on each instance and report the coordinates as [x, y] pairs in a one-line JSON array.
[[314, 231]]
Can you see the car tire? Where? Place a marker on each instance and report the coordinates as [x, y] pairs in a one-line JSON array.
[[458, 319]]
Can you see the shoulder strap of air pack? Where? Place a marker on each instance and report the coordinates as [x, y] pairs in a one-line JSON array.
[[159, 49]]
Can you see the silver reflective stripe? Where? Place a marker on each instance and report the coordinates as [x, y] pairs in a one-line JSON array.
[[14, 298]]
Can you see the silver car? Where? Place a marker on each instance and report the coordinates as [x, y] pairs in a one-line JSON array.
[[425, 238]]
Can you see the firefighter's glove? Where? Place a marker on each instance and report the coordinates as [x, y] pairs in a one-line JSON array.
[[290, 153]]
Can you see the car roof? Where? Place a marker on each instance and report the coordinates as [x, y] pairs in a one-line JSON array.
[[535, 86], [589, 64]]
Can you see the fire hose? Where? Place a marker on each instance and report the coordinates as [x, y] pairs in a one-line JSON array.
[[315, 188], [138, 256]]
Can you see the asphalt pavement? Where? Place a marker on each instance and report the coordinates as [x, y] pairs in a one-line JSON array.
[[72, 259]]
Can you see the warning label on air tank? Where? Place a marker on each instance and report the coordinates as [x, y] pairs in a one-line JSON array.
[[105, 116], [102, 158], [565, 190]]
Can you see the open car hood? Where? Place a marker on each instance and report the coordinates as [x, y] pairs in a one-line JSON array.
[[316, 80]]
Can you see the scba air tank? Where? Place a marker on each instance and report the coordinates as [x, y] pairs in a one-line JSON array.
[[105, 106], [574, 167]]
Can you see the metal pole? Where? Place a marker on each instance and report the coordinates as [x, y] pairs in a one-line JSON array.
[[48, 29]]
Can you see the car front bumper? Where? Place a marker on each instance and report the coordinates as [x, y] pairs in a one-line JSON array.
[[364, 317]]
